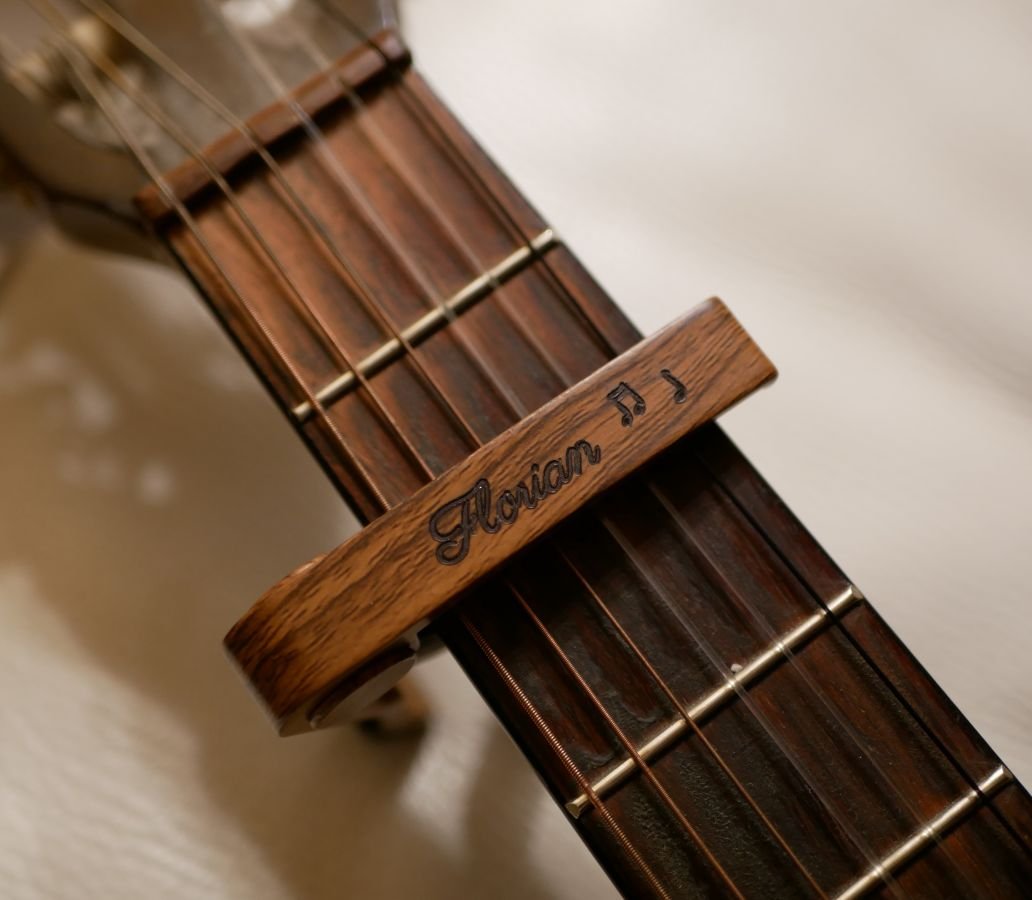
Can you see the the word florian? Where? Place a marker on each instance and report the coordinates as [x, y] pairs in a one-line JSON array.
[[454, 524]]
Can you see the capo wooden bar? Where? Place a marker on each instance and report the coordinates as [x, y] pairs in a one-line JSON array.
[[341, 630]]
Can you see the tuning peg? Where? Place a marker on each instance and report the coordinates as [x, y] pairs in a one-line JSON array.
[[44, 74]]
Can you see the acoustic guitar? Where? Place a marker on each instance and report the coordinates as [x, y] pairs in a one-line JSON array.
[[717, 709]]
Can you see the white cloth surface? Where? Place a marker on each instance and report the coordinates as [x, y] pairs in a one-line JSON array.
[[852, 178]]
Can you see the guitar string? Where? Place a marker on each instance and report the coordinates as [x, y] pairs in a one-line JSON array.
[[840, 816], [99, 94], [226, 190], [561, 753], [84, 73], [326, 63], [469, 429], [697, 731], [646, 770], [940, 744], [822, 696], [415, 103]]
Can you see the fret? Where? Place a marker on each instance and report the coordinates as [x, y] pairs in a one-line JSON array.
[[524, 323], [742, 677], [432, 322], [926, 836]]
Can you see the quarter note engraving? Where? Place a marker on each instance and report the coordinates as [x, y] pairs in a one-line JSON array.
[[680, 391], [637, 402]]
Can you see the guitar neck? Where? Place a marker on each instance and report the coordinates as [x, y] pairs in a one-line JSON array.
[[717, 707]]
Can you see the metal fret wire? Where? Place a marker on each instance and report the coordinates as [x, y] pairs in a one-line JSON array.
[[682, 707], [561, 752], [628, 744], [386, 152], [769, 632], [470, 431], [879, 672]]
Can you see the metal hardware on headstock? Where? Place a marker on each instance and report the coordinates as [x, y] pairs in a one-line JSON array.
[[61, 140], [340, 631]]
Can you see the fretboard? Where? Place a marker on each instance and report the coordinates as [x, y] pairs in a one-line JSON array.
[[718, 709]]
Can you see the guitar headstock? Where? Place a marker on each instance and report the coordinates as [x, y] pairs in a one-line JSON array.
[[173, 74]]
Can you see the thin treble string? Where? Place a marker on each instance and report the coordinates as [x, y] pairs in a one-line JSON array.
[[628, 744], [333, 165], [682, 708], [297, 296], [561, 754], [413, 99], [822, 696], [84, 73], [840, 816], [302, 211], [865, 655]]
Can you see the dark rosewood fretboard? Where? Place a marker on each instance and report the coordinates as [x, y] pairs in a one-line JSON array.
[[718, 708]]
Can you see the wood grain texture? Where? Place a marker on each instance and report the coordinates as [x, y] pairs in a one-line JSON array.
[[380, 588], [848, 747], [356, 72]]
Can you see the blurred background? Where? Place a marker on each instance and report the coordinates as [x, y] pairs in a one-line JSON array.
[[852, 178]]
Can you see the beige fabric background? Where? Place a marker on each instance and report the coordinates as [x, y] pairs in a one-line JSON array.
[[853, 178]]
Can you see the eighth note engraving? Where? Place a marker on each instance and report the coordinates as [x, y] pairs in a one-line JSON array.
[[637, 402], [680, 391]]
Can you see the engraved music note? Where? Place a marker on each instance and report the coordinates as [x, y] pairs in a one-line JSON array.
[[637, 402], [680, 391]]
